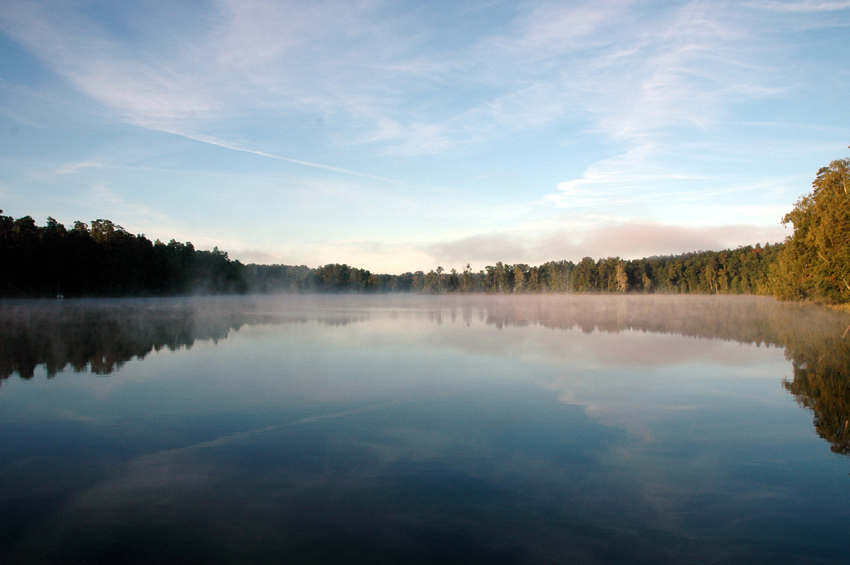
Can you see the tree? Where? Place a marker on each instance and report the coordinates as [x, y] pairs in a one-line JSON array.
[[622, 277], [815, 262], [468, 282], [520, 277], [585, 276], [432, 282]]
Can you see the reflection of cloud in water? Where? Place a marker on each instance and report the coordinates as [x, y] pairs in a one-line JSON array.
[[562, 422], [617, 370], [610, 354]]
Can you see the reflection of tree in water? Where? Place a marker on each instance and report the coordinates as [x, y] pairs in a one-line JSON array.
[[742, 319], [822, 380], [816, 340], [827, 394], [101, 336]]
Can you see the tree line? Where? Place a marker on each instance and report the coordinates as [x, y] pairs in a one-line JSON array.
[[103, 259], [745, 270]]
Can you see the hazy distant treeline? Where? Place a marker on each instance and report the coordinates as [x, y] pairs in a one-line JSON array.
[[105, 260], [745, 270]]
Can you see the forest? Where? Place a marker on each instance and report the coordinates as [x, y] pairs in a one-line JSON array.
[[103, 259]]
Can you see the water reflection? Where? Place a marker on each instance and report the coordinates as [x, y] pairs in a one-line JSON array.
[[820, 353], [100, 336], [422, 429]]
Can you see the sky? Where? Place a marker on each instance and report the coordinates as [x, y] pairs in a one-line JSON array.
[[402, 136]]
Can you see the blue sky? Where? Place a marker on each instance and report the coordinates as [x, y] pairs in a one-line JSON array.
[[400, 136]]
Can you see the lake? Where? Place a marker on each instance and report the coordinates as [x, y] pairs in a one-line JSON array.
[[421, 429]]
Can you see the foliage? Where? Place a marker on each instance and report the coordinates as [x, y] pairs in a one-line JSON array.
[[815, 264], [105, 260]]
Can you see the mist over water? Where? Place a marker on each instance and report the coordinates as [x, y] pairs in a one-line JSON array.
[[421, 429]]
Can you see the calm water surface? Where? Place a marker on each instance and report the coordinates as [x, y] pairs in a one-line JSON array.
[[419, 429]]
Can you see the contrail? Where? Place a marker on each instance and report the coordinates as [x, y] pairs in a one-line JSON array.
[[235, 436], [219, 143]]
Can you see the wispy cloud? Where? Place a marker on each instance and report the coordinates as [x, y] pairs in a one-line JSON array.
[[614, 178], [804, 6], [71, 168], [100, 66], [630, 71], [335, 58], [241, 56]]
